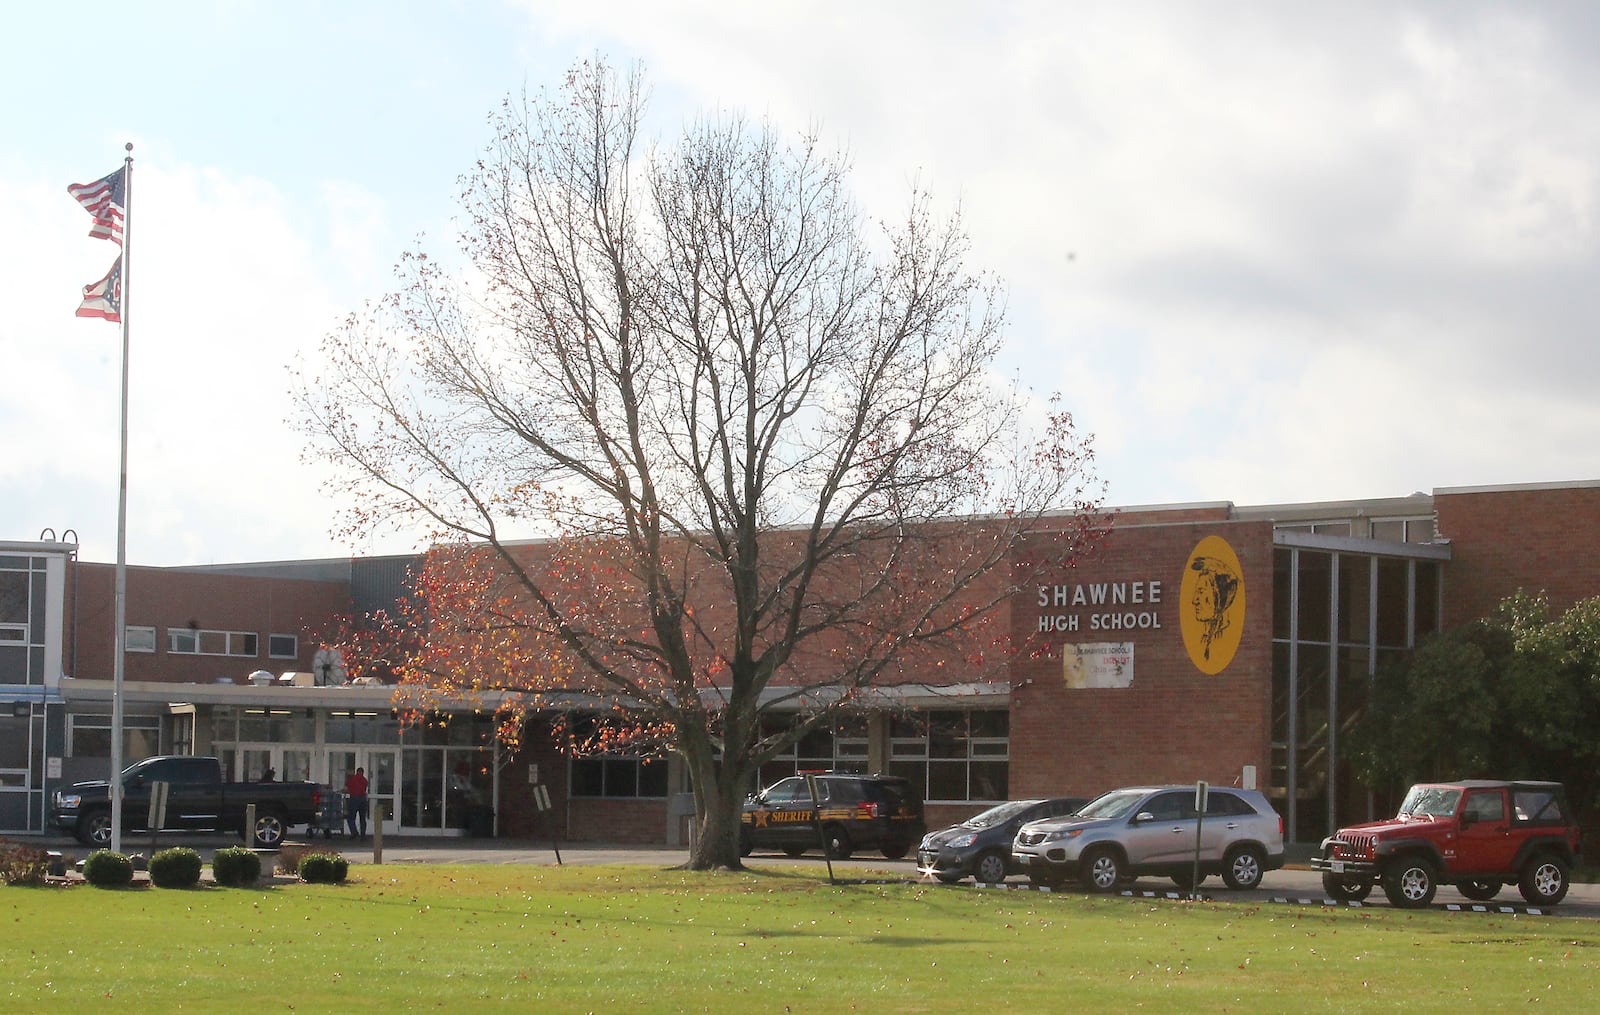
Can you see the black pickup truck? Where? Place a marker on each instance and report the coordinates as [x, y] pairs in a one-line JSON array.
[[198, 799]]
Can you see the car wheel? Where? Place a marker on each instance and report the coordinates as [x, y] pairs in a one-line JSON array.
[[746, 846], [1346, 889], [1243, 868], [94, 829], [1100, 870], [794, 851], [270, 830], [1544, 880], [1479, 891], [837, 842], [991, 868], [1409, 882], [896, 850]]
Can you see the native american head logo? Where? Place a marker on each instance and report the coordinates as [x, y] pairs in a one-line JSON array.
[[1211, 604]]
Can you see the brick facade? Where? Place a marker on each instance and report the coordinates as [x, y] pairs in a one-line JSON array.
[[1173, 723], [1536, 539], [164, 598]]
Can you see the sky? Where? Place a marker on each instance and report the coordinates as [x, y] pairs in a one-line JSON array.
[[1266, 252]]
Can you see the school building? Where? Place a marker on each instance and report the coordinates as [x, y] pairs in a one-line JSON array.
[[1206, 641]]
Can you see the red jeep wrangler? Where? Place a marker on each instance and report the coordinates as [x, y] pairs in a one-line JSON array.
[[1474, 834]]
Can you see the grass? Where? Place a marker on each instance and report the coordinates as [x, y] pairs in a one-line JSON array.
[[609, 939]]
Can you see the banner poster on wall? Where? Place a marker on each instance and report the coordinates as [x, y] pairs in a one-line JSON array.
[[1098, 664]]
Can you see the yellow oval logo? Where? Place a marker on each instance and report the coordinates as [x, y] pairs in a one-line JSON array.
[[1211, 604]]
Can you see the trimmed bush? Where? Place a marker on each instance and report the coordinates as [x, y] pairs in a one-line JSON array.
[[105, 869], [235, 867], [323, 868], [178, 867], [22, 865]]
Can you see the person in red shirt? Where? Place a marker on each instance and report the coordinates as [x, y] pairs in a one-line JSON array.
[[355, 790]]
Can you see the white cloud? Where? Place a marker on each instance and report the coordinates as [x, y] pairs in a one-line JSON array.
[[1268, 251]]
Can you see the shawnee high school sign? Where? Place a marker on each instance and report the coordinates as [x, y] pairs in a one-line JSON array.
[[1210, 607]]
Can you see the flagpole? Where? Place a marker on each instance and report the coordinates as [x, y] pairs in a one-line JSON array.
[[119, 643]]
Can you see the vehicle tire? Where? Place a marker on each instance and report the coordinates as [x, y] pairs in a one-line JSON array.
[[991, 868], [1409, 882], [746, 846], [270, 830], [896, 850], [1479, 891], [1186, 881], [794, 851], [1545, 880], [1100, 870], [1346, 889], [94, 829], [837, 842], [1243, 868]]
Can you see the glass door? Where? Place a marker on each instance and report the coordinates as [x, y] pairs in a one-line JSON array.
[[381, 765]]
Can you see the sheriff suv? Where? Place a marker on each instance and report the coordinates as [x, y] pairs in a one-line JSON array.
[[1478, 835], [1126, 833], [851, 812]]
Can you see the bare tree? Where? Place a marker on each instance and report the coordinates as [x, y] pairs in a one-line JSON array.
[[766, 441]]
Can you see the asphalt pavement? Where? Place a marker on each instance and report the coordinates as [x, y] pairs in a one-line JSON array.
[[1295, 884]]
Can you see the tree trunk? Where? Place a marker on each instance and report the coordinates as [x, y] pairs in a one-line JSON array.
[[719, 801]]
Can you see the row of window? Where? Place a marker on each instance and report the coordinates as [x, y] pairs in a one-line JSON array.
[[190, 641], [947, 755]]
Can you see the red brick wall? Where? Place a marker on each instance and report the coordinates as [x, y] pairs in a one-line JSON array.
[[163, 599], [640, 822], [1174, 723], [1504, 540], [519, 816]]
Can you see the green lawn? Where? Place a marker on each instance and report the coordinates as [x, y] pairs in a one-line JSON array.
[[403, 938]]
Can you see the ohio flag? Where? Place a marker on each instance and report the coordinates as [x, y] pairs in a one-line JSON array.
[[104, 298]]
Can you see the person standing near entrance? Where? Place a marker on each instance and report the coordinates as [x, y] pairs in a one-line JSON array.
[[355, 791]]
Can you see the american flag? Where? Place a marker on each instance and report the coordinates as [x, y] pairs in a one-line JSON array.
[[104, 200], [104, 298]]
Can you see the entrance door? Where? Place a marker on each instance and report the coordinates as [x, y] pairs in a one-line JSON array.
[[382, 768]]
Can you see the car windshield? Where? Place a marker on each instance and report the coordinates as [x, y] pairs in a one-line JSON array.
[[1438, 801], [1114, 804], [999, 814]]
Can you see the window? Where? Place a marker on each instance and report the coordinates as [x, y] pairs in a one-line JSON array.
[[1403, 530], [14, 598], [613, 775], [139, 639], [283, 646], [619, 777], [188, 641], [953, 755], [840, 747], [89, 736]]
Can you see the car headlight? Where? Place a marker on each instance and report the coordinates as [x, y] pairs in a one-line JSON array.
[[963, 841], [68, 800], [1063, 833]]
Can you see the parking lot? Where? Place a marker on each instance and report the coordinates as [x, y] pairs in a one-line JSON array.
[[1295, 885]]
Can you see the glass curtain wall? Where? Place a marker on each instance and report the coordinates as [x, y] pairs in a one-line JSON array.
[[1341, 608]]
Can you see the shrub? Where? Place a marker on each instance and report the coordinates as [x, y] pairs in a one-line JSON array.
[[323, 868], [22, 865], [178, 867], [105, 869], [236, 866]]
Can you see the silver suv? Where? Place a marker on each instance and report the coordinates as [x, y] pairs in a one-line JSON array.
[[1151, 830]]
